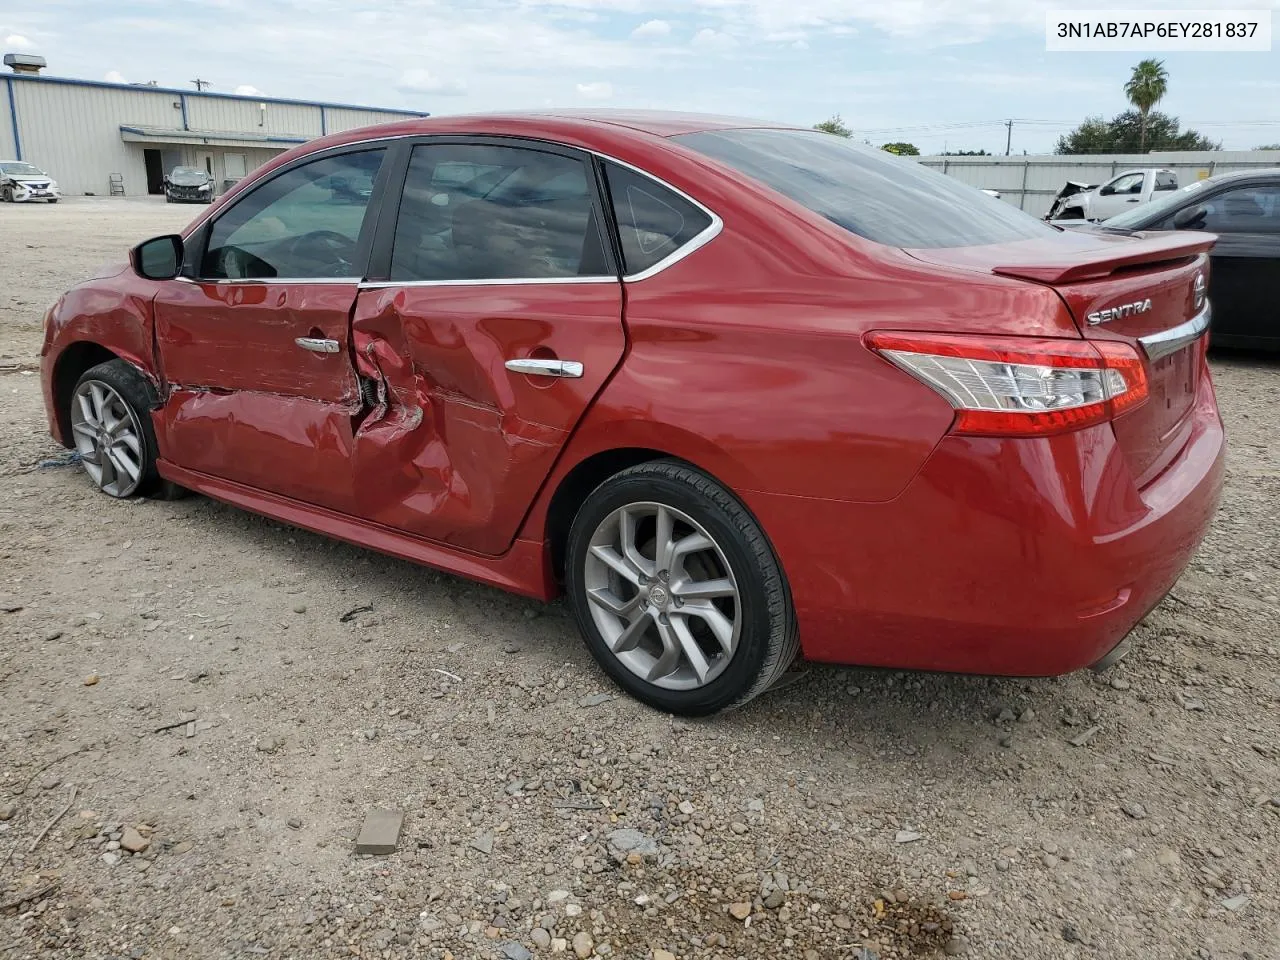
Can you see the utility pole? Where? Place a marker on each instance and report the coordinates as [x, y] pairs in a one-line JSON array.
[[201, 84], [1008, 141]]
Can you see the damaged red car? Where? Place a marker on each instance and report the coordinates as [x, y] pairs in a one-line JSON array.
[[740, 391]]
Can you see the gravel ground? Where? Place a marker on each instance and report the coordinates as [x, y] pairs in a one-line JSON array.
[[1135, 814]]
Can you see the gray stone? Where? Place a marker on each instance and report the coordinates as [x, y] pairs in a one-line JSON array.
[[294, 823], [1119, 683], [627, 841], [595, 699], [516, 951], [955, 947], [8, 810], [775, 899], [1081, 739], [1236, 903], [268, 745], [483, 842], [540, 937], [907, 836], [133, 841], [583, 945], [380, 832], [1135, 810]]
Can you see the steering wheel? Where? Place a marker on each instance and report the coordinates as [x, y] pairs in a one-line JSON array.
[[328, 247]]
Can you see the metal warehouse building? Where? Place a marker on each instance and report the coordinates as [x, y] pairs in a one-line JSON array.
[[86, 134]]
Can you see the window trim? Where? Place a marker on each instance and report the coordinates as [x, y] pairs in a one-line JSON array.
[[1231, 188], [195, 251], [378, 274]]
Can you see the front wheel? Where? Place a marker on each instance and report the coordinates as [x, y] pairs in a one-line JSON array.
[[677, 591], [111, 426]]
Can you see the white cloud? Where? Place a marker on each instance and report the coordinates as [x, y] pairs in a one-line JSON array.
[[16, 41], [708, 39], [419, 80], [599, 90], [248, 90], [114, 76], [800, 45], [651, 29]]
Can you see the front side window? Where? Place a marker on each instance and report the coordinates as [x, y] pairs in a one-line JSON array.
[[482, 212], [653, 221], [884, 198], [1244, 210], [301, 225], [1129, 183]]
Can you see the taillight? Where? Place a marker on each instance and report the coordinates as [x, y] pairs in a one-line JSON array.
[[1021, 387]]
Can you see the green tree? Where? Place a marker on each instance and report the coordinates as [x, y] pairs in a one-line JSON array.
[[1268, 146], [835, 126], [1125, 132], [964, 153], [901, 148], [1146, 87]]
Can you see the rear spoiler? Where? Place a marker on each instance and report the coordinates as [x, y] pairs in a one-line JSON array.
[[1089, 264]]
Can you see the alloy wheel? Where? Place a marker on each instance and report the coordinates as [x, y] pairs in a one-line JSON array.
[[108, 437], [663, 596]]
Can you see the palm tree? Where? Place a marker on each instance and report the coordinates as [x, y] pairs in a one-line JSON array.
[[1146, 87]]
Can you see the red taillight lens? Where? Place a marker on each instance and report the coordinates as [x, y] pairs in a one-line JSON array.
[[1022, 387]]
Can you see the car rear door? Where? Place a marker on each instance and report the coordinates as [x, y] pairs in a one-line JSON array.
[[254, 344], [1245, 281], [496, 320]]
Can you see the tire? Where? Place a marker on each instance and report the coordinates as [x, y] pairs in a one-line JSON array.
[[7, 195], [711, 631], [115, 393], [54, 200]]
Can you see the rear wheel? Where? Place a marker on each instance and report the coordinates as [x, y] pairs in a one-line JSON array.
[[111, 426], [7, 195], [677, 592]]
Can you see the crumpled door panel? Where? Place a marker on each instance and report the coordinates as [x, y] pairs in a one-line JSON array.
[[455, 446]]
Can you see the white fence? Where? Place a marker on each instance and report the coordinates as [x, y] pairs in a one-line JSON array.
[[1031, 183]]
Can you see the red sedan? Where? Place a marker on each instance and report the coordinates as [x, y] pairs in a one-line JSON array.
[[739, 390]]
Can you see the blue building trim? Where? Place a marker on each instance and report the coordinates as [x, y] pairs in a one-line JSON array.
[[13, 118], [183, 100], [72, 82], [207, 135]]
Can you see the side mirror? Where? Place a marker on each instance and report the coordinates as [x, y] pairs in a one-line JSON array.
[[1190, 218], [159, 258]]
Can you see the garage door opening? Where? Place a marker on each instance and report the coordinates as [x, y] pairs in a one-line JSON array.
[[155, 171]]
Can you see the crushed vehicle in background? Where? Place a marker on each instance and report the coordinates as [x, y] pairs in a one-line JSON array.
[[1086, 201], [188, 185], [21, 181]]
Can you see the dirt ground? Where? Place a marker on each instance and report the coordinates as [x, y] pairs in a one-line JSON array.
[[854, 810]]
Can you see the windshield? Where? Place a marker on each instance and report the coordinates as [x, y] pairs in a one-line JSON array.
[[1151, 212], [187, 172], [869, 192], [17, 168]]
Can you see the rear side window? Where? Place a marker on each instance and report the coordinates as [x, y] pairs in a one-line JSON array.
[[1244, 210], [653, 221], [874, 194], [482, 212]]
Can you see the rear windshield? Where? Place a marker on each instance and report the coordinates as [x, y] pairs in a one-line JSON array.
[[867, 191]]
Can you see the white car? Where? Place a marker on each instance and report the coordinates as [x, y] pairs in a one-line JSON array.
[[1082, 201], [21, 181]]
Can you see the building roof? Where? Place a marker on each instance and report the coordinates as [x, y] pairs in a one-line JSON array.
[[146, 88]]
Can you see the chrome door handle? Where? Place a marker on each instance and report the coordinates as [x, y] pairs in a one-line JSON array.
[[317, 345], [545, 368]]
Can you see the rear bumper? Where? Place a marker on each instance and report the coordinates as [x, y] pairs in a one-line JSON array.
[[1026, 557]]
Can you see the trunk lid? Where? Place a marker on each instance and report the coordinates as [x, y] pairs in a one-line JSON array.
[[1142, 290]]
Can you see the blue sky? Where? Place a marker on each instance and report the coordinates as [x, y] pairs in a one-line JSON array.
[[939, 73]]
